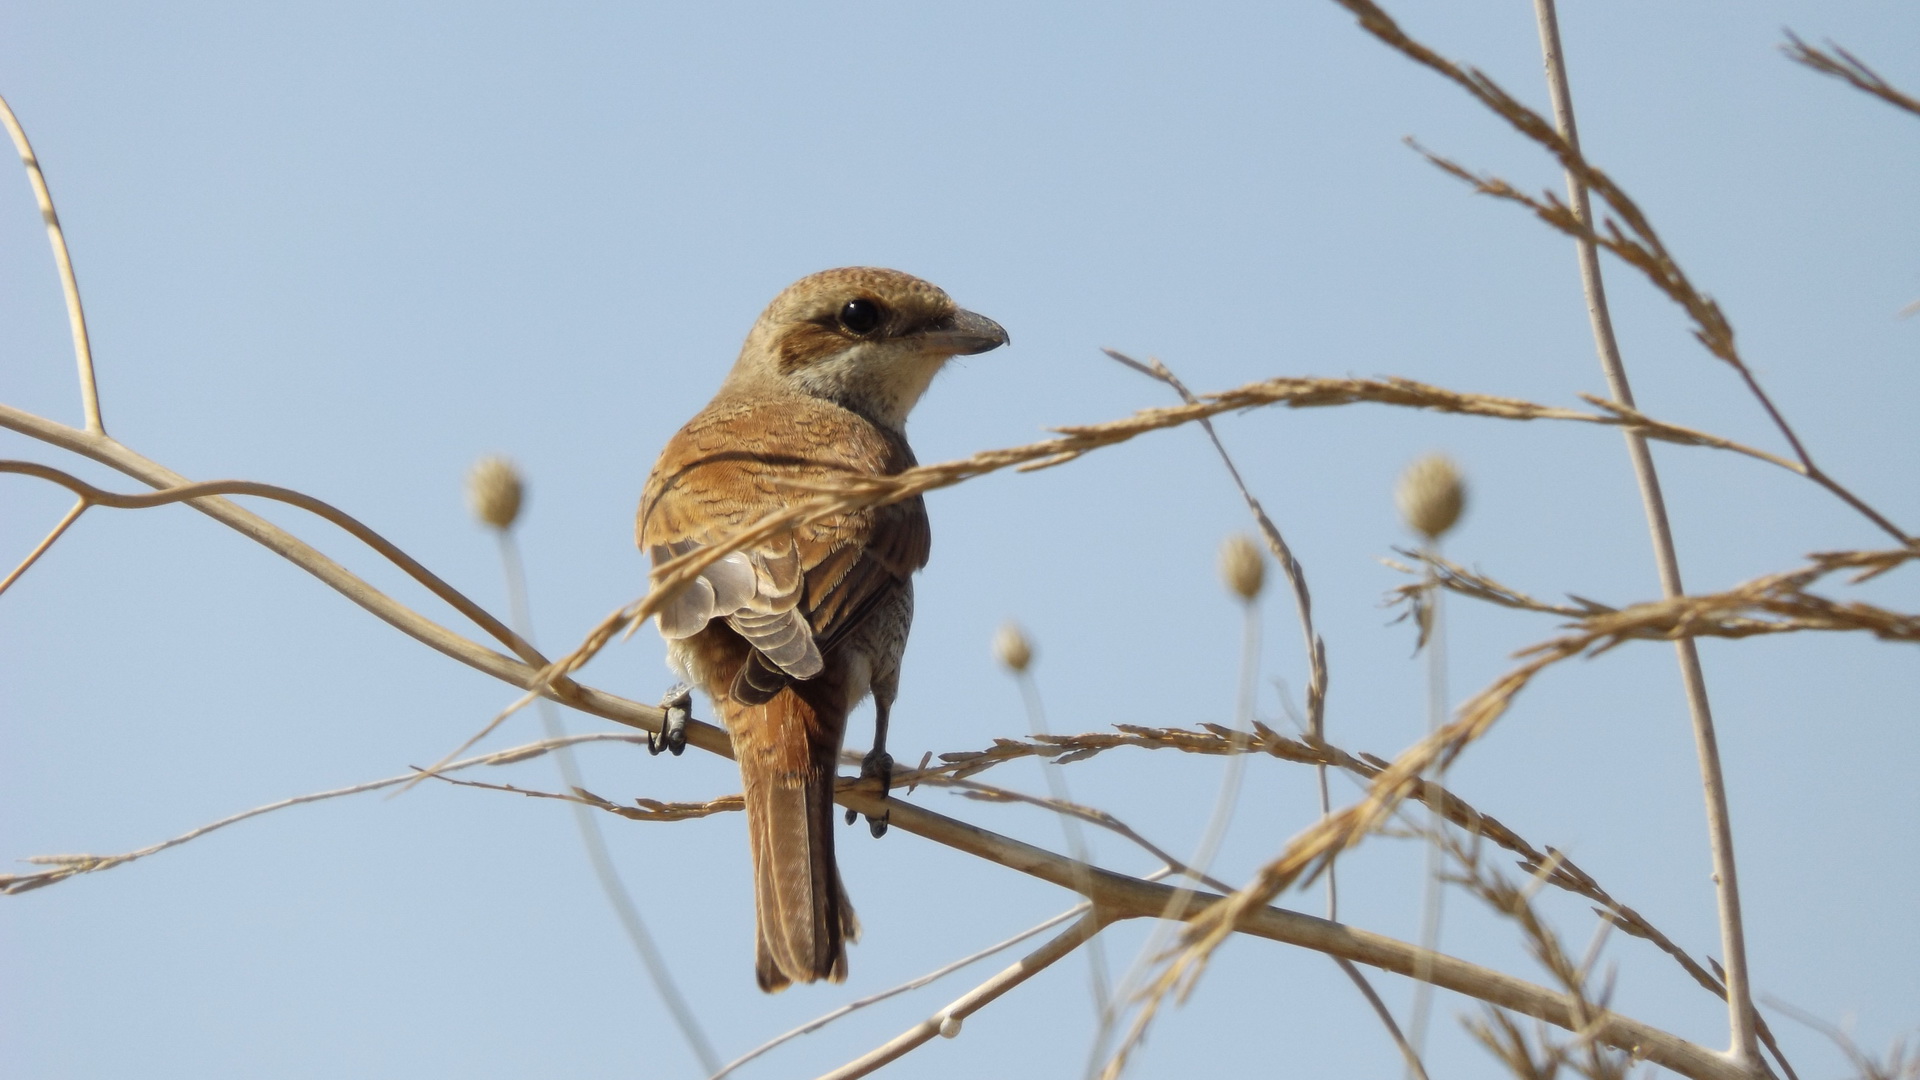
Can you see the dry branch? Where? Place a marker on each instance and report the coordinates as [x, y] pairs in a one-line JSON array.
[[1629, 235], [66, 866], [63, 262], [1734, 613]]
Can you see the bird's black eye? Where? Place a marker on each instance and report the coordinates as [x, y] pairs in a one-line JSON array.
[[860, 317]]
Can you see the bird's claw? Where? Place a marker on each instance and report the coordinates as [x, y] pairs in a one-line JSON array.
[[672, 736], [877, 765]]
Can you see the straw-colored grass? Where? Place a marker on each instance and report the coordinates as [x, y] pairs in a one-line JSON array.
[[1794, 600]]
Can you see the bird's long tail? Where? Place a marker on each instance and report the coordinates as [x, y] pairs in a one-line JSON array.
[[788, 755]]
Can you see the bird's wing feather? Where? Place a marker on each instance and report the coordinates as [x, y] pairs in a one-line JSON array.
[[795, 595]]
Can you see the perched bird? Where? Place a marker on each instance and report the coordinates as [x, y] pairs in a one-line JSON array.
[[789, 635]]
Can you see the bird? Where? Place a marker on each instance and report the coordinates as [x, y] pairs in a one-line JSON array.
[[788, 635]]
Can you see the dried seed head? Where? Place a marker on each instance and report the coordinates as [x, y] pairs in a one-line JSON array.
[[1243, 567], [494, 491], [1013, 648], [1431, 495]]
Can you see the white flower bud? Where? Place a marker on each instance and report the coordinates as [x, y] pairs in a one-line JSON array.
[[1431, 495], [1243, 567], [1010, 644], [494, 491]]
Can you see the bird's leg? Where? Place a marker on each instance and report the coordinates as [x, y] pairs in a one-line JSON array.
[[878, 765], [672, 736]]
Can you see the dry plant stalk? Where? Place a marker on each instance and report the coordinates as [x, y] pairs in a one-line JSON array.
[[63, 261], [1114, 890], [1774, 604], [66, 866], [1498, 1033], [1781, 596], [1629, 234], [852, 493], [1848, 68]]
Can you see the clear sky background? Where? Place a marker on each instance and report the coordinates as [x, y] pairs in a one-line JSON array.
[[349, 248]]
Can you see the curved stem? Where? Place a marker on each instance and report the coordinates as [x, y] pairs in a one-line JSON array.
[[591, 840], [205, 498], [69, 285], [1719, 819]]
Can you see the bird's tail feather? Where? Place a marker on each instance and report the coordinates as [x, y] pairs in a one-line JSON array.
[[788, 767]]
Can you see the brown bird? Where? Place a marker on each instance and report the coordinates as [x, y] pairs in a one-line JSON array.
[[788, 636]]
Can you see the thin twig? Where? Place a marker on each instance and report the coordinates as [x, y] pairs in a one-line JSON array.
[[386, 548], [988, 793], [69, 285], [1296, 574], [1637, 243], [1442, 573], [72, 515], [1693, 679], [1316, 650], [551, 679], [916, 983], [852, 492], [947, 1021], [66, 866], [1898, 1065], [1310, 852], [1117, 894]]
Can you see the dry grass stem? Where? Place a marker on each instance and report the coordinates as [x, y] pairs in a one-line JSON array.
[[1849, 68], [1901, 1061], [66, 866], [641, 810], [1316, 650], [947, 1021], [93, 496], [1776, 603], [973, 789], [1772, 604], [1628, 234], [1116, 895], [63, 261], [59, 528], [912, 984], [854, 493], [1295, 574], [1735, 613], [1438, 572], [551, 679]]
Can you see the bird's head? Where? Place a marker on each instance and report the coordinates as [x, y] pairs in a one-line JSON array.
[[866, 338]]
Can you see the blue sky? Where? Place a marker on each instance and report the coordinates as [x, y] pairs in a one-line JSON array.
[[349, 248]]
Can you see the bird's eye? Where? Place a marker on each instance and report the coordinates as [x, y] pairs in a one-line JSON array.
[[860, 317]]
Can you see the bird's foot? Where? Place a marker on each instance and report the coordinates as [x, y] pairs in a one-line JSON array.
[[672, 736], [877, 765]]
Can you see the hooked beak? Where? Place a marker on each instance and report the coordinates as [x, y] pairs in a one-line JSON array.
[[965, 333]]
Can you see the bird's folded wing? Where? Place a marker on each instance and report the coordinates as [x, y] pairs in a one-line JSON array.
[[757, 590], [795, 595]]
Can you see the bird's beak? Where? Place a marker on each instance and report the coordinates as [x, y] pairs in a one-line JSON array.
[[965, 333]]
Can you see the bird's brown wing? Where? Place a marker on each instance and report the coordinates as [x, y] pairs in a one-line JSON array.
[[798, 594], [860, 566]]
